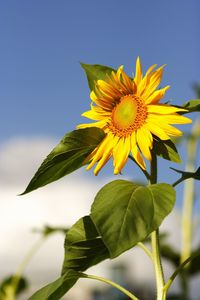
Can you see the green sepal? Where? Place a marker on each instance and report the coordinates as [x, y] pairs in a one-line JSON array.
[[96, 72], [125, 213], [68, 156], [166, 149], [191, 106]]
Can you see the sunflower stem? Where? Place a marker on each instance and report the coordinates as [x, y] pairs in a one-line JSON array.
[[146, 250], [156, 255]]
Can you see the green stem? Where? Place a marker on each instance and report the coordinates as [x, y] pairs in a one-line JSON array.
[[117, 286], [146, 250], [157, 264], [155, 241], [178, 270], [18, 274]]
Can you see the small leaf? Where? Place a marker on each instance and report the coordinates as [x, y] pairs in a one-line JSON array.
[[191, 106], [83, 246], [126, 213], [167, 150], [66, 157], [96, 72], [58, 288]]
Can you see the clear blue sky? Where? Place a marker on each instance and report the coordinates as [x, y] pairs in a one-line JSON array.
[[43, 89]]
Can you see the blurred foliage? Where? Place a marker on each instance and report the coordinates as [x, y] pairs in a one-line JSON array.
[[12, 286], [47, 230]]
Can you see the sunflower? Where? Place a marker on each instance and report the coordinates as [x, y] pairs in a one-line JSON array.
[[129, 112]]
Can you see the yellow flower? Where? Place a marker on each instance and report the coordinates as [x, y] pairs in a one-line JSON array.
[[129, 112]]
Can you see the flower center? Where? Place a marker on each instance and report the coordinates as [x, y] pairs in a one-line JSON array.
[[128, 115]]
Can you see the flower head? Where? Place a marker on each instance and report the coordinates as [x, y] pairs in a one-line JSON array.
[[129, 112]]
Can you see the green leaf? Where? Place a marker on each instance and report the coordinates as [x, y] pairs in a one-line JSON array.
[[126, 213], [191, 106], [56, 289], [96, 72], [166, 149], [66, 157], [83, 249], [83, 246]]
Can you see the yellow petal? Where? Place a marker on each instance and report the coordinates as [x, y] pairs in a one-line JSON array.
[[156, 96], [138, 72], [128, 83], [93, 96], [142, 85], [170, 130], [163, 109], [135, 152], [96, 115], [99, 124], [170, 119], [156, 130], [107, 88], [150, 69], [119, 71], [144, 142], [120, 154], [154, 81], [102, 163]]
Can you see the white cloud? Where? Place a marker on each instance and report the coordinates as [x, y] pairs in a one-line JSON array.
[[58, 204]]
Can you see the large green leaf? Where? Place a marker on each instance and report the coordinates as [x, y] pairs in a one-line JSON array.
[[191, 106], [95, 72], [58, 288], [83, 249], [66, 157], [83, 246], [126, 213], [166, 149]]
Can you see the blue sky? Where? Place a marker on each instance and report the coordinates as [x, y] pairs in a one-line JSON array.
[[43, 89]]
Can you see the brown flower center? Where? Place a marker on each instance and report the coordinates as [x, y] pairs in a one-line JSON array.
[[128, 115]]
